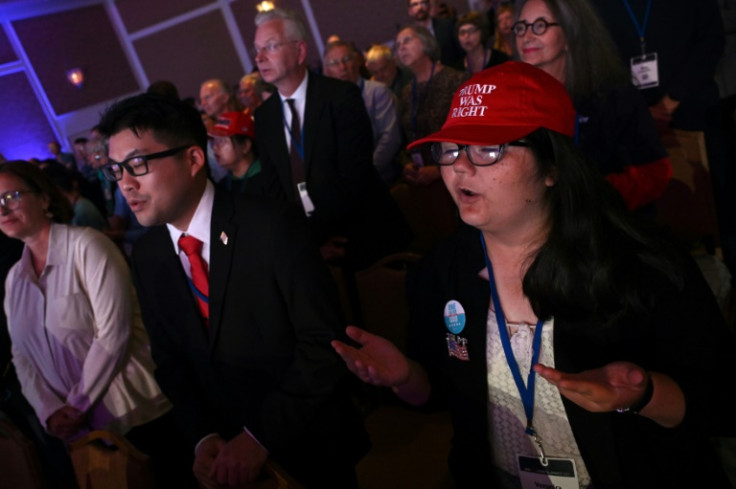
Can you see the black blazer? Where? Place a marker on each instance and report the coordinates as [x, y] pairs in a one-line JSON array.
[[450, 50], [684, 336], [266, 363], [348, 195]]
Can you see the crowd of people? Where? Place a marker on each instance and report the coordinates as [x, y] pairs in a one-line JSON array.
[[173, 279]]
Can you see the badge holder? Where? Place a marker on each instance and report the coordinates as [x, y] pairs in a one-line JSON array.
[[645, 71], [306, 200], [557, 473]]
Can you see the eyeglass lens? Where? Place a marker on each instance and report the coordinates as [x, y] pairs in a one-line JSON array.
[[539, 27]]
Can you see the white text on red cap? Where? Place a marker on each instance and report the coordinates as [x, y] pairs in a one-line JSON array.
[[471, 100]]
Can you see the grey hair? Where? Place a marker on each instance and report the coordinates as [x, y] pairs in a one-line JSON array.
[[294, 26], [429, 44]]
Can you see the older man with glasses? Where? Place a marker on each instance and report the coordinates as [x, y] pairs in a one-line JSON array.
[[318, 137]]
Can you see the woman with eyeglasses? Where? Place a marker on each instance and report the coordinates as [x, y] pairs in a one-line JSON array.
[[78, 343], [574, 345], [568, 40], [474, 34]]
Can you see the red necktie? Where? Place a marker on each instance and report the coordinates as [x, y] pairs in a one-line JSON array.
[[199, 282]]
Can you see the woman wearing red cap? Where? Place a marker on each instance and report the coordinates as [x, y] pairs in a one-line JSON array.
[[574, 345]]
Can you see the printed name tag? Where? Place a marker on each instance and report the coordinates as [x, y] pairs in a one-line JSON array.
[[306, 200], [645, 71], [559, 473]]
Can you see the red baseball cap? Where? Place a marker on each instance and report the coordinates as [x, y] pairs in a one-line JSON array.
[[232, 123], [505, 103]]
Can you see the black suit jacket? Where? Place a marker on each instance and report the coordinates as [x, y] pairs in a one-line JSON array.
[[450, 50], [266, 362], [348, 195]]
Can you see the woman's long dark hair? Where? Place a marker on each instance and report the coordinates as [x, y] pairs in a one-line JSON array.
[[596, 251]]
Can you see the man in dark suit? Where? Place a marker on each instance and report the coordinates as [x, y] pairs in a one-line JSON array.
[[240, 327], [325, 162], [443, 29]]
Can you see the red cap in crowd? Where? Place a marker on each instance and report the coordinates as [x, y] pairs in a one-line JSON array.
[[505, 103]]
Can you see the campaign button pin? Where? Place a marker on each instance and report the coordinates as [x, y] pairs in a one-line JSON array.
[[454, 316]]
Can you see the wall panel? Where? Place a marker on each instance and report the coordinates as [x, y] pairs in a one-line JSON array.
[[76, 38], [191, 52], [24, 129], [139, 14]]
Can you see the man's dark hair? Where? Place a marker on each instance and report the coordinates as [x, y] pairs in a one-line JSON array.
[[171, 122], [164, 88]]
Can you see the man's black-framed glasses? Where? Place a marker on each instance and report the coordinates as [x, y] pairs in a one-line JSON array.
[[445, 154], [136, 165], [11, 200], [539, 27]]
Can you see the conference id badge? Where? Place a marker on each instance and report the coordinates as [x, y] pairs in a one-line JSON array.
[[559, 473], [645, 71], [306, 200]]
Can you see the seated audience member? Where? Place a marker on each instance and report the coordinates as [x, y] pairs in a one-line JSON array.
[[215, 98], [78, 343], [240, 308], [247, 93], [567, 39], [474, 35], [232, 139], [66, 159], [557, 326], [97, 157], [383, 67], [341, 62], [80, 153], [504, 39], [84, 211], [425, 101]]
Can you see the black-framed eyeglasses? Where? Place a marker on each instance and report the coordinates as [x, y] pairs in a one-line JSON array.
[[539, 27], [136, 165], [445, 154], [11, 200]]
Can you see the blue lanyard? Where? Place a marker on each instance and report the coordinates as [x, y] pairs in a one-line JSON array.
[[299, 147], [525, 391], [640, 28], [414, 105], [197, 292]]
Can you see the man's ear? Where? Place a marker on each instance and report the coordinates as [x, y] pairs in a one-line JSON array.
[[247, 146], [302, 47], [196, 159]]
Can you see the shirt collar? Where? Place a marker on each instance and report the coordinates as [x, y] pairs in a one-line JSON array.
[[300, 94], [199, 226]]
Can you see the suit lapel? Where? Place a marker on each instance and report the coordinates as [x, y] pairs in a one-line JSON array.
[[312, 113], [223, 236], [277, 149]]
